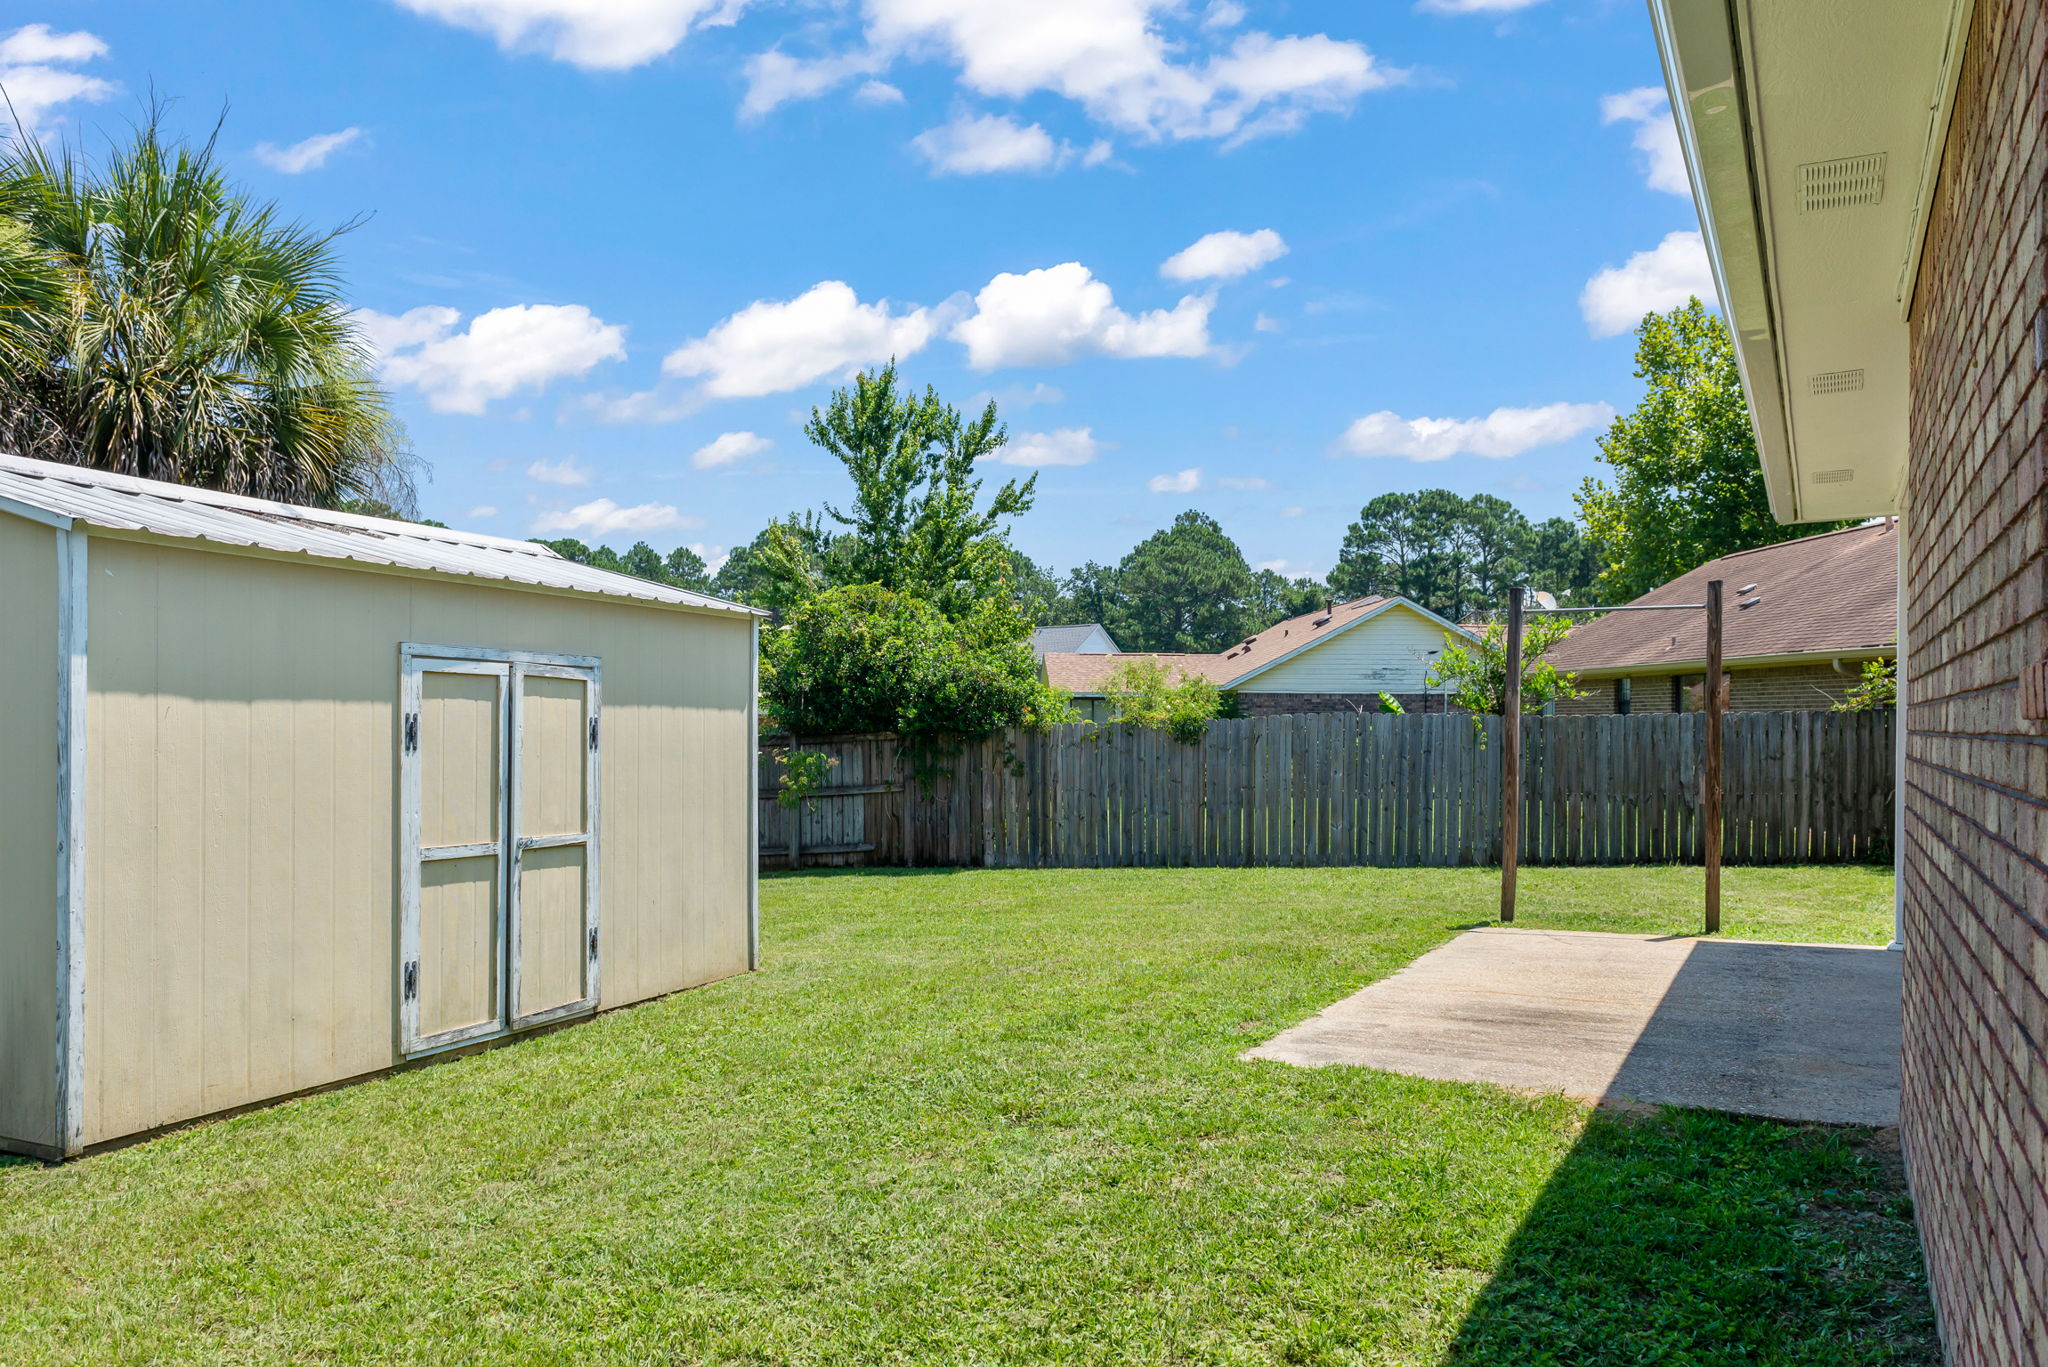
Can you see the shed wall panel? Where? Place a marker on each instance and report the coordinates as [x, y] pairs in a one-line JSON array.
[[28, 832], [242, 880]]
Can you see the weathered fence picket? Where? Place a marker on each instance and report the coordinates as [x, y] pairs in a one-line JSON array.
[[1342, 789]]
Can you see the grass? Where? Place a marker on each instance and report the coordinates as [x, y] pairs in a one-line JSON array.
[[994, 1117]]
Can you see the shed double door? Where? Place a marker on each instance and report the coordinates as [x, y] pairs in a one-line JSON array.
[[499, 775]]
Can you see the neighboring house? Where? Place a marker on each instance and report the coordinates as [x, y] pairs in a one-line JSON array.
[[1339, 658], [295, 796], [1085, 638], [1799, 619], [1872, 179]]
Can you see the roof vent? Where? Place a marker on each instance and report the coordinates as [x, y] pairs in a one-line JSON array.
[[1844, 184], [1746, 588], [1322, 621], [1835, 382], [1833, 476], [1750, 602]]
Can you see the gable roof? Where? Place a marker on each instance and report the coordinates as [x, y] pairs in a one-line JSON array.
[[61, 495], [1085, 674], [1046, 640], [1832, 594]]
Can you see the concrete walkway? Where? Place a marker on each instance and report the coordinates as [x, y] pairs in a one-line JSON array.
[[1799, 1032]]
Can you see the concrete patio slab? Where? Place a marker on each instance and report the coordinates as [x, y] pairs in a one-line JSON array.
[[1797, 1032]]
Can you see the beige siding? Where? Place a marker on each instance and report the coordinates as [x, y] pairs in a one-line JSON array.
[[551, 925], [1386, 653], [242, 823], [28, 832]]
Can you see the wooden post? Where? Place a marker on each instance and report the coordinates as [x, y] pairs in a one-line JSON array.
[[1710, 814], [1511, 759]]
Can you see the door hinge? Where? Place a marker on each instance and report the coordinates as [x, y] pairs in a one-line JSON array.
[[593, 943], [412, 732], [593, 732], [412, 980]]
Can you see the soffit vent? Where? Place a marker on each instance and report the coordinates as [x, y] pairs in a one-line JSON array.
[[1844, 184], [1835, 382], [1833, 476]]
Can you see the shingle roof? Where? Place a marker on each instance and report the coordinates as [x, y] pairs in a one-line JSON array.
[[1085, 673], [1832, 594], [1047, 640], [125, 503]]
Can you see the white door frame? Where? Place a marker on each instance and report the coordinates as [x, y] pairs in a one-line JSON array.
[[509, 667]]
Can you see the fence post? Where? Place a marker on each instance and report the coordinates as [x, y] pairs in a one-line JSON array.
[[1511, 759]]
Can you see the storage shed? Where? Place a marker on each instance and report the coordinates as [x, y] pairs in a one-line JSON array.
[[289, 797]]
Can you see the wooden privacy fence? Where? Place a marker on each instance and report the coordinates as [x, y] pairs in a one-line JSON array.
[[1347, 789]]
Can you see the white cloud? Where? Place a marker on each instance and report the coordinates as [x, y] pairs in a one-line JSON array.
[[483, 510], [975, 145], [1181, 482], [774, 78], [499, 353], [35, 62], [1656, 136], [602, 517], [1265, 323], [598, 34], [729, 448], [1664, 277], [714, 557], [1224, 255], [1052, 315], [564, 471], [771, 346], [309, 154], [1253, 482], [878, 92], [1502, 433], [1292, 512], [1113, 58], [1063, 446], [1474, 6]]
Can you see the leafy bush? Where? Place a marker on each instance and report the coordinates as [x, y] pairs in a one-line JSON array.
[[1479, 669], [803, 775], [863, 658], [1143, 693], [1877, 691], [1390, 703]]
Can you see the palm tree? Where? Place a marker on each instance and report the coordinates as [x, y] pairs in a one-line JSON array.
[[155, 320]]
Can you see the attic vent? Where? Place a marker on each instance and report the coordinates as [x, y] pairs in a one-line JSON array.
[[1835, 382], [1844, 184], [1745, 589], [1750, 602], [1833, 476]]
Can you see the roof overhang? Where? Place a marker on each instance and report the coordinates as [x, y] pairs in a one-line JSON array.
[[1813, 133]]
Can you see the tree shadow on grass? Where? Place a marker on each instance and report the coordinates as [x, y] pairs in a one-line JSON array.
[[1675, 1236]]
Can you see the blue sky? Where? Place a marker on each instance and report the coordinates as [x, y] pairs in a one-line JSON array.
[[1266, 260]]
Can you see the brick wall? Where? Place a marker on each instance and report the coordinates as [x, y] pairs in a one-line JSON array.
[[1976, 804], [1777, 688], [1274, 704]]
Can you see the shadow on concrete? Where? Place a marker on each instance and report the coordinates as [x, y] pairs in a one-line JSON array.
[[1692, 1237]]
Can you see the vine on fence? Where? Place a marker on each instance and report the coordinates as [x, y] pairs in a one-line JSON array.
[[803, 775]]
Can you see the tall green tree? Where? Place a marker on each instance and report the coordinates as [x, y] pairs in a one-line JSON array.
[[1686, 484], [1454, 555], [753, 576], [157, 320], [1091, 593], [916, 523], [1186, 588], [1275, 597], [681, 568]]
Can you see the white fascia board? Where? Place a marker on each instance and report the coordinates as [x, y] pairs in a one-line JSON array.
[[1769, 98]]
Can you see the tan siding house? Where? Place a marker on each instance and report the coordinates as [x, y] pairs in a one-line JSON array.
[[1337, 659], [324, 815]]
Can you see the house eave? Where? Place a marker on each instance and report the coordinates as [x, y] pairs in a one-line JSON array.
[[1662, 667], [1770, 99]]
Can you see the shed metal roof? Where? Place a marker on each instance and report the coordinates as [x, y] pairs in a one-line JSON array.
[[98, 498]]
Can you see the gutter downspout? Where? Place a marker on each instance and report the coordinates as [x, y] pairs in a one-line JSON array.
[[1899, 755]]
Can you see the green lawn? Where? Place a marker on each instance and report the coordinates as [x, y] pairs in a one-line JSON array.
[[987, 1117]]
